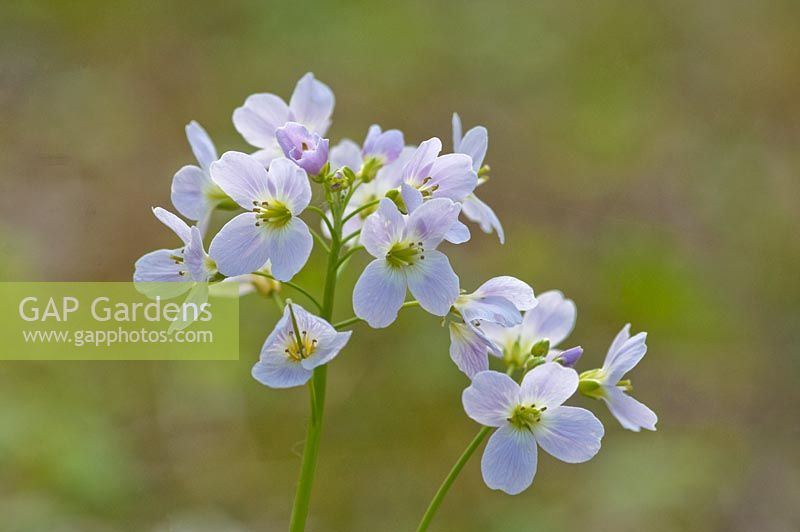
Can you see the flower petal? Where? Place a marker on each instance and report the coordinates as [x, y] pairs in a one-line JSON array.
[[430, 222], [177, 225], [387, 144], [289, 248], [194, 257], [570, 434], [241, 177], [411, 197], [456, 132], [346, 153], [433, 283], [490, 398], [474, 144], [159, 267], [480, 213], [382, 229], [259, 117], [312, 104], [419, 166], [509, 460], [201, 144], [492, 309], [276, 370], [188, 192], [552, 318], [519, 293], [469, 349], [454, 176], [458, 233], [631, 414], [391, 175], [379, 293], [548, 385], [240, 247], [289, 184], [625, 352]]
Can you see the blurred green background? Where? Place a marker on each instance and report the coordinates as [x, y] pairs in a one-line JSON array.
[[645, 161]]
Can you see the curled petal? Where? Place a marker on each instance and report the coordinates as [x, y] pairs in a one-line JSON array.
[[379, 294], [480, 213], [623, 355], [509, 460], [519, 293], [631, 414], [570, 434]]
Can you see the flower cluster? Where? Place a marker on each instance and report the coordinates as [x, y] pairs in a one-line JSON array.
[[403, 205]]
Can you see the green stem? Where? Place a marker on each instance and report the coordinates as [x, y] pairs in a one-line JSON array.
[[295, 286], [451, 477], [355, 319], [456, 470], [316, 388], [361, 209]]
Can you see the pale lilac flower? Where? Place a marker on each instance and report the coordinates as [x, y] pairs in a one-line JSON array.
[[385, 146], [529, 416], [308, 150], [499, 301], [413, 199], [406, 257], [289, 355], [262, 114], [552, 319], [606, 383], [188, 263], [474, 144], [194, 193], [568, 357], [447, 176], [271, 229]]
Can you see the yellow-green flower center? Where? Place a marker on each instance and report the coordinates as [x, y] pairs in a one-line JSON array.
[[524, 417], [405, 254], [297, 351], [272, 213]]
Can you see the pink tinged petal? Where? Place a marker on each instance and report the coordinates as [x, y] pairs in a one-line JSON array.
[[456, 132], [480, 213], [509, 460], [379, 294], [570, 434], [288, 248], [552, 318], [491, 398], [382, 229], [189, 192], [259, 117], [623, 355], [240, 247], [474, 144], [431, 221], [241, 177], [631, 414], [548, 385], [346, 153], [411, 197], [159, 267], [312, 104], [201, 144], [289, 184], [454, 176], [420, 164], [458, 233], [519, 293], [177, 225], [469, 349], [433, 283]]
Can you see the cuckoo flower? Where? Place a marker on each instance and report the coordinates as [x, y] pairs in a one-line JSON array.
[[194, 194], [474, 144], [529, 416], [500, 301], [308, 150], [606, 383], [434, 176], [184, 264], [552, 320], [271, 229], [406, 257], [299, 343], [262, 114]]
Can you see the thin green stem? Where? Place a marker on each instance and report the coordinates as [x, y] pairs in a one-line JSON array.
[[316, 388], [349, 254], [321, 241], [451, 477], [364, 207], [355, 319], [351, 236], [295, 286], [323, 215], [427, 517]]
